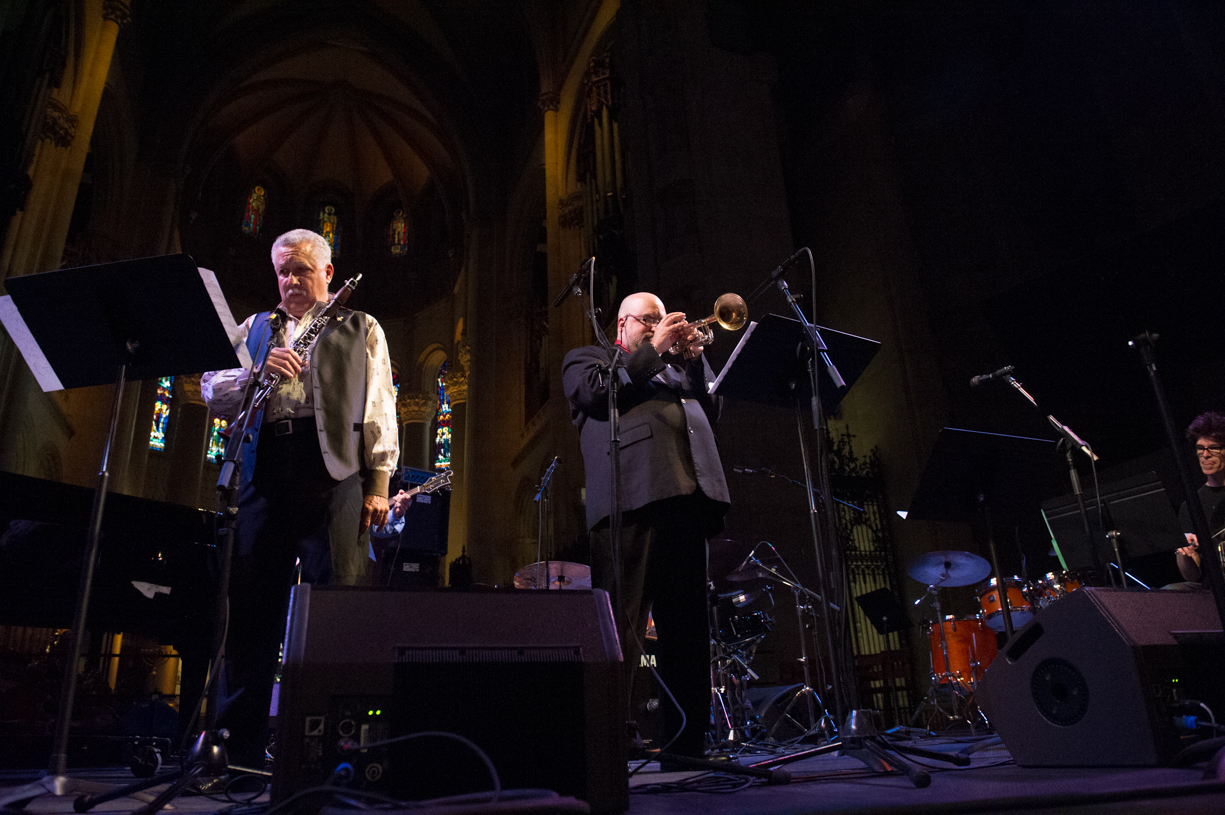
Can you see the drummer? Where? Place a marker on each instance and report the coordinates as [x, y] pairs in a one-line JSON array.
[[1207, 432]]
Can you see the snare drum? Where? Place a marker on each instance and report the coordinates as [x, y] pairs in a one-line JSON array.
[[971, 647], [1055, 585], [992, 613], [741, 628]]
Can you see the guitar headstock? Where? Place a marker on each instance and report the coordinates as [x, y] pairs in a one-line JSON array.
[[438, 482]]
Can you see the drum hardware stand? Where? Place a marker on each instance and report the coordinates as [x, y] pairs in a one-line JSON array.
[[804, 612], [1210, 556], [962, 697]]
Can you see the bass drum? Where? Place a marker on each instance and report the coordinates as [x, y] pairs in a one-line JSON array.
[[972, 647]]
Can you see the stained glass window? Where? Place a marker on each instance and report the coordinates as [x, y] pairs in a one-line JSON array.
[[216, 441], [395, 386], [329, 228], [442, 436], [253, 219], [161, 413], [397, 234]]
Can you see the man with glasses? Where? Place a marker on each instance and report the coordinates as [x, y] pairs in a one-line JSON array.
[[673, 496], [1207, 431]]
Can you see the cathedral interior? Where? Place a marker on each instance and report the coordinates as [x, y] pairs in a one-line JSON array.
[[979, 185]]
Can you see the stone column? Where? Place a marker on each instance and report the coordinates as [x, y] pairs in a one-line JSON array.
[[416, 413], [37, 241], [457, 389]]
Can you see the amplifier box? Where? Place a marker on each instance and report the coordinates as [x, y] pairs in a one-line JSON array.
[[529, 677]]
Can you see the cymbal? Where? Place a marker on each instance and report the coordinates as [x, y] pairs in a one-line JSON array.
[[750, 571], [949, 568], [562, 575]]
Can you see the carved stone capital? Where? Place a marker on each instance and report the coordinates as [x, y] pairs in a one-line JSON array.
[[570, 211], [189, 388], [457, 386], [59, 125], [463, 353], [416, 407], [549, 100], [118, 12]]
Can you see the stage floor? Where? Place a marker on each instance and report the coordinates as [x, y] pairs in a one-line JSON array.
[[992, 783]]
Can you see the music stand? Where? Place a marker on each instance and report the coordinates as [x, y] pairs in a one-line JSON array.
[[135, 319], [769, 366], [766, 366], [984, 478], [1137, 508]]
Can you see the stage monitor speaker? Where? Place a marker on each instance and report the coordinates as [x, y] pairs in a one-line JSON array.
[[532, 678], [1092, 681]]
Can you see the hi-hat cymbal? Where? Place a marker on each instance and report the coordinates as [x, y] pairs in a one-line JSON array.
[[561, 575], [750, 571], [949, 568]]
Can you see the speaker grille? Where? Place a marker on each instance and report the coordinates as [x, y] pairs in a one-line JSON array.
[[1060, 692]]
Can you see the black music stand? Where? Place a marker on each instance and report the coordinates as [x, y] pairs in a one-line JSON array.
[[983, 478], [1138, 512], [135, 319], [770, 366]]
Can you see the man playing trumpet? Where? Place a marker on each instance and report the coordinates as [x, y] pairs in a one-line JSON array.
[[673, 496]]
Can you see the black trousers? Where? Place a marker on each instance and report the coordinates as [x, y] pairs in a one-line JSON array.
[[292, 510], [663, 557]]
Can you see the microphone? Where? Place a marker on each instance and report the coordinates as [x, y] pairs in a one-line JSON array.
[[1002, 372], [544, 482], [575, 284], [776, 274]]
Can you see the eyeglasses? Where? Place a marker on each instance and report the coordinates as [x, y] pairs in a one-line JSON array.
[[1212, 449], [650, 320]]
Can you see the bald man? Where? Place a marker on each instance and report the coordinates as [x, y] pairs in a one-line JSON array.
[[673, 497]]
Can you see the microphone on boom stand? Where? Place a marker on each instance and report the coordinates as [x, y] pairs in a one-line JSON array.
[[979, 380]]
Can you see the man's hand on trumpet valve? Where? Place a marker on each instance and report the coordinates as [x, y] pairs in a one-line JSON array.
[[671, 330]]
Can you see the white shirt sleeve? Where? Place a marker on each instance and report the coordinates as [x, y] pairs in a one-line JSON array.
[[379, 429], [222, 390]]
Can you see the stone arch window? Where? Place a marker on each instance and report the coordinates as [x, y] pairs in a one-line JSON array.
[[161, 413], [329, 227], [442, 422], [397, 234], [253, 216]]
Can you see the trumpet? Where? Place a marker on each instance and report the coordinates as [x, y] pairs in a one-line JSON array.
[[731, 313]]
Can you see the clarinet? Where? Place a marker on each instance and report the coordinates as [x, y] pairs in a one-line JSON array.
[[302, 346]]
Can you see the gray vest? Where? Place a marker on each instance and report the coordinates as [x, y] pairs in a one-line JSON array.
[[338, 374]]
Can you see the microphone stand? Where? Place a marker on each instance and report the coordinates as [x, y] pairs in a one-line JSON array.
[[824, 537], [208, 755], [543, 490], [1210, 560], [1068, 443]]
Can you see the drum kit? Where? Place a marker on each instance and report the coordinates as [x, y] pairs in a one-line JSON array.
[[740, 620], [962, 648]]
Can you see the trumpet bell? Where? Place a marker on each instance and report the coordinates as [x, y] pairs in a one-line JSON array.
[[731, 312]]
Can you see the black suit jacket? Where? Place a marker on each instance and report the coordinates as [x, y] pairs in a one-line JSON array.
[[667, 441]]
